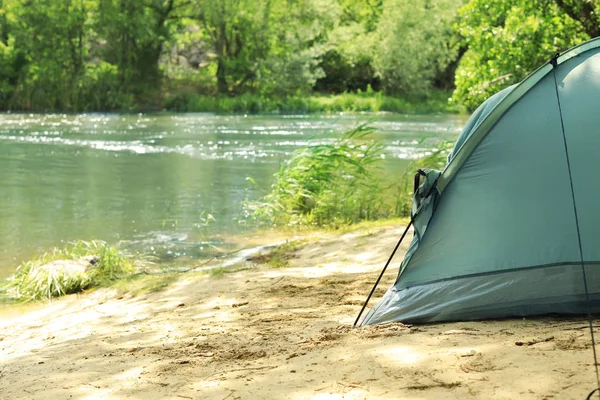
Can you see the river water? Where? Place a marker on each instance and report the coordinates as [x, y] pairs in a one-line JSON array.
[[150, 181]]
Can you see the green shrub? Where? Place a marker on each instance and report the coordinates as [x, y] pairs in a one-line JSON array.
[[99, 90]]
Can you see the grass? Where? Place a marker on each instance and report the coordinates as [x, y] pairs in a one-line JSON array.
[[326, 184], [434, 102], [333, 185], [276, 257], [368, 226], [220, 272], [76, 267]]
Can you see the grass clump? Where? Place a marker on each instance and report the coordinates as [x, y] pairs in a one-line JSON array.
[[72, 269], [325, 184], [140, 284], [338, 184], [220, 272]]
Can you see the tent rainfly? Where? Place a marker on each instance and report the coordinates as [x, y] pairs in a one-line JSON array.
[[511, 226]]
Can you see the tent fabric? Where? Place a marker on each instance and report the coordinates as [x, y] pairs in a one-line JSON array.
[[478, 115], [502, 237], [423, 205]]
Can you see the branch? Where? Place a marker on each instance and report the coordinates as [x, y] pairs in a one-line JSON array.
[[585, 16]]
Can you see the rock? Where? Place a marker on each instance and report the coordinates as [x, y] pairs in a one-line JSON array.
[[71, 267]]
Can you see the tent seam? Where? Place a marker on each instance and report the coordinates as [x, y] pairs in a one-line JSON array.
[[511, 270]]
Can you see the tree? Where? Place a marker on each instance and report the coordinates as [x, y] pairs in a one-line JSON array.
[[266, 45], [131, 34], [237, 30], [347, 61], [49, 40], [586, 12], [509, 39], [8, 76], [415, 43]]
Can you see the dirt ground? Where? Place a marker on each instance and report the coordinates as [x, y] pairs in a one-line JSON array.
[[283, 333]]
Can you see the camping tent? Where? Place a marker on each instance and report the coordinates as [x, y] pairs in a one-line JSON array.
[[511, 227]]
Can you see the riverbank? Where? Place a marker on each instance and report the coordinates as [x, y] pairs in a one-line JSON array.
[[177, 98], [435, 102], [281, 330]]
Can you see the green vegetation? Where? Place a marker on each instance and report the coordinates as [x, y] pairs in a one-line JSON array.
[[94, 55], [338, 184], [415, 44], [506, 40], [226, 55], [325, 183], [278, 256], [74, 268], [220, 272], [436, 101]]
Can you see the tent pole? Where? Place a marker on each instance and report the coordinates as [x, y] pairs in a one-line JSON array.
[[382, 272]]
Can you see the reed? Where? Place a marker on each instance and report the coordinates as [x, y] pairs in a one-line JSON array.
[[323, 184], [339, 184]]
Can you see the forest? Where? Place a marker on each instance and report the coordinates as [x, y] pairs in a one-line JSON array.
[[276, 55]]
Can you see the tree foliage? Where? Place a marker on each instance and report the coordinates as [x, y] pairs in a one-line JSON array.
[[113, 54], [80, 54], [509, 39], [415, 43], [348, 51], [130, 35]]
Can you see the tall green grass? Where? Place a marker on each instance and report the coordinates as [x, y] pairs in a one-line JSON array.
[[434, 102], [326, 184], [87, 264], [339, 184]]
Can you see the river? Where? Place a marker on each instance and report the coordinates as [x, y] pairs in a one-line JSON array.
[[150, 181]]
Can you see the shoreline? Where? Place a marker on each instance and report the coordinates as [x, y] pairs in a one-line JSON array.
[[432, 103], [284, 332]]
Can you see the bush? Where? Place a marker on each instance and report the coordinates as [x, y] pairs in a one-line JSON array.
[[99, 90]]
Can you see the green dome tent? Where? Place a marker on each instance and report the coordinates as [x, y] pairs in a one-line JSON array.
[[511, 227]]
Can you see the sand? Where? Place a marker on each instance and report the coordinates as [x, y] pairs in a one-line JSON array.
[[283, 333]]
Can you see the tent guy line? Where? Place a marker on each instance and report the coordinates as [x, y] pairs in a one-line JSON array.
[[554, 64]]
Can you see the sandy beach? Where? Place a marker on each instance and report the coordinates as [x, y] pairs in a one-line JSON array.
[[284, 333]]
